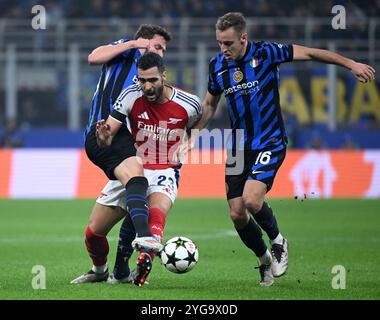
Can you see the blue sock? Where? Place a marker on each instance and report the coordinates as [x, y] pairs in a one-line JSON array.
[[137, 205], [252, 237], [267, 221], [124, 248]]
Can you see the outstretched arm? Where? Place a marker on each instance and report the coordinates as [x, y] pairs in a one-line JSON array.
[[209, 105], [361, 71], [106, 130], [106, 53]]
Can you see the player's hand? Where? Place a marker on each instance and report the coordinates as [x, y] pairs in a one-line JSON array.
[[102, 133], [363, 72], [142, 43], [180, 153], [140, 150]]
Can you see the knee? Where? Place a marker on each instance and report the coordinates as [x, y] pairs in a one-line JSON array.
[[239, 218], [129, 168], [253, 203], [93, 228], [160, 202]]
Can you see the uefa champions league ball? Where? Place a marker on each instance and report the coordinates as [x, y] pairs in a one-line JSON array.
[[179, 255]]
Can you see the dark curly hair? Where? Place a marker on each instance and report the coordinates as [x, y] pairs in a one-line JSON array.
[[148, 31], [150, 60]]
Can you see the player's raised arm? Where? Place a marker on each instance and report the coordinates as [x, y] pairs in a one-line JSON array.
[[209, 105], [361, 71], [106, 53], [106, 130]]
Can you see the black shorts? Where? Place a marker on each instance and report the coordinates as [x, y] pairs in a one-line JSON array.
[[108, 158], [261, 165]]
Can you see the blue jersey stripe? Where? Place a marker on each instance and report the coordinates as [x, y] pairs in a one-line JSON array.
[[252, 96], [269, 113], [272, 123], [121, 72]]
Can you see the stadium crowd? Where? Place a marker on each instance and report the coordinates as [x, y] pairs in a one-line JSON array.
[[185, 8], [30, 105]]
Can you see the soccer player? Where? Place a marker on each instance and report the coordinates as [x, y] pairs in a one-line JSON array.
[[158, 115], [119, 161], [247, 73]]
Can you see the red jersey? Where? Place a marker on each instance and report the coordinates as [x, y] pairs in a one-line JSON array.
[[157, 128]]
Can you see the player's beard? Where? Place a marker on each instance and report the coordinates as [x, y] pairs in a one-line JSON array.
[[154, 95]]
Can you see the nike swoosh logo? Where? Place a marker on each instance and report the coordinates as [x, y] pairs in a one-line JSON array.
[[221, 72], [256, 172]]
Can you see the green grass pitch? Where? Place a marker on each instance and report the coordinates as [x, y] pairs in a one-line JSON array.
[[321, 234]]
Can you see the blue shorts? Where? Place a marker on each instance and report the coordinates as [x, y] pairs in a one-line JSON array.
[[261, 165]]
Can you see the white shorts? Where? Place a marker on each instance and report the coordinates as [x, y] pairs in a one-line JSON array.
[[164, 181]]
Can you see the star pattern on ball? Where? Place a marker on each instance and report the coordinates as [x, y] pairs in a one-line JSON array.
[[172, 259], [191, 257], [180, 243], [179, 255]]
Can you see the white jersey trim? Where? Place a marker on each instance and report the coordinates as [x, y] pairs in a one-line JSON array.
[[190, 102], [127, 99]]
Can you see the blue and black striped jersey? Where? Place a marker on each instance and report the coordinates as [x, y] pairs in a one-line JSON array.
[[116, 75], [250, 86]]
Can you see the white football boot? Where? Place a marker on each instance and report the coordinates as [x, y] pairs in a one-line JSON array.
[[147, 244], [266, 275], [91, 277], [279, 258], [112, 280]]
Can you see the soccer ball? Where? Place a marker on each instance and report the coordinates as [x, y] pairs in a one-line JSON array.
[[179, 255]]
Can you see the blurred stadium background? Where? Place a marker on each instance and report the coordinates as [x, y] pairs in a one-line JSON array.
[[333, 122], [46, 84]]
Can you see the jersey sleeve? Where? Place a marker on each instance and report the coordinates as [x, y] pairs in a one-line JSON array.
[[194, 112], [213, 86], [278, 53], [124, 103]]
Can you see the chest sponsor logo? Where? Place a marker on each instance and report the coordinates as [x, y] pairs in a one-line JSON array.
[[244, 88], [157, 132]]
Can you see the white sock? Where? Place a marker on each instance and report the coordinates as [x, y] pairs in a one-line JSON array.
[[278, 240], [100, 269], [266, 258]]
